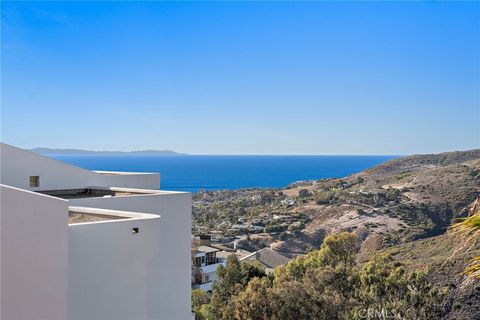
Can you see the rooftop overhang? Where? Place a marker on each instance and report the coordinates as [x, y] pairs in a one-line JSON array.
[[124, 173]]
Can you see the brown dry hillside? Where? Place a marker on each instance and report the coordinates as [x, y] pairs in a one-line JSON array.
[[399, 201], [403, 206], [402, 200], [445, 263]]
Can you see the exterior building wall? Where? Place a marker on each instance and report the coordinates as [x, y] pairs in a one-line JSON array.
[[17, 165], [205, 286], [211, 271], [169, 293], [112, 271], [96, 270], [34, 255]]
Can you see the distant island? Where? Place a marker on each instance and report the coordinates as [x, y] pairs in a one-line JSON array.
[[50, 151]]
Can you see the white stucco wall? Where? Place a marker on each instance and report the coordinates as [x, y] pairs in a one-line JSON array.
[[167, 268], [110, 273], [17, 165], [34, 255], [106, 272]]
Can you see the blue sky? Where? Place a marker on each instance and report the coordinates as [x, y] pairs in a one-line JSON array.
[[242, 77]]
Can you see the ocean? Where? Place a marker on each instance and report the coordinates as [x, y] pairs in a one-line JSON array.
[[193, 173]]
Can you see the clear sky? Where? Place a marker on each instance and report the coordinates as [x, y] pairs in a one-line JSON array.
[[242, 77]]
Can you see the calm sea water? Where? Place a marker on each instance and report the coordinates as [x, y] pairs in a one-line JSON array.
[[193, 173]]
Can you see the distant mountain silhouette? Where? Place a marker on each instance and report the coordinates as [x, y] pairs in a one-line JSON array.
[[47, 151]]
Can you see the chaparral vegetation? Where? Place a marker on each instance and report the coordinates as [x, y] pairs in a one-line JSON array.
[[398, 241]]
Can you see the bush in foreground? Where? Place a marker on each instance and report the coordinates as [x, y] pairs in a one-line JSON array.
[[324, 284]]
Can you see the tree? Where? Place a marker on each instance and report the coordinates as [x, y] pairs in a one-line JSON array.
[[227, 285], [199, 299], [304, 193], [331, 291], [294, 270], [262, 301], [253, 302], [325, 284], [290, 300], [251, 269], [386, 288], [331, 275], [232, 279], [196, 272], [338, 250], [323, 197]]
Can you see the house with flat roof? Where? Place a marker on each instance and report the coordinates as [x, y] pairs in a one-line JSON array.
[[80, 244], [205, 264]]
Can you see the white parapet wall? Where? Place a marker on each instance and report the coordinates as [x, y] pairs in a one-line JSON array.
[[110, 266], [130, 257], [34, 255], [105, 260], [18, 165]]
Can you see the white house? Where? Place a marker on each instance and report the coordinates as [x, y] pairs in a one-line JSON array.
[[77, 244], [205, 263]]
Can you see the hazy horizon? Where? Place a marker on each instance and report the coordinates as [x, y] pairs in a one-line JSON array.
[[179, 153]]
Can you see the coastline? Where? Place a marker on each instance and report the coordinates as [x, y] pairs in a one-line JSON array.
[[194, 173]]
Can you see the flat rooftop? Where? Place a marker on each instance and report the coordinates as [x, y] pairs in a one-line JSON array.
[[207, 249], [93, 193]]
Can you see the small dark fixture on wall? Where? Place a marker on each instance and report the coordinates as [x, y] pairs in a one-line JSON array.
[[135, 230], [34, 181]]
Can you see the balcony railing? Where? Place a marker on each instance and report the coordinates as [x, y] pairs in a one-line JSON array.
[[213, 266]]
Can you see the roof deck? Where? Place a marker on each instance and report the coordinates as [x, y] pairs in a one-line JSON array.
[[206, 249], [97, 192]]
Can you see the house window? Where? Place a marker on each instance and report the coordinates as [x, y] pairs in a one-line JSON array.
[[205, 278], [135, 230], [197, 262], [211, 258], [34, 181]]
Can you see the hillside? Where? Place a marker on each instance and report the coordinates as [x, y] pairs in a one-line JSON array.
[[403, 207], [396, 202], [445, 262]]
